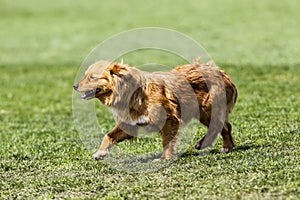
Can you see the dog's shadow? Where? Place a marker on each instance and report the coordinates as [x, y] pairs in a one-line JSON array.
[[149, 158], [204, 152], [245, 147]]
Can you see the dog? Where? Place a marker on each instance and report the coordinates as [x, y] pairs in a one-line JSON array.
[[162, 102]]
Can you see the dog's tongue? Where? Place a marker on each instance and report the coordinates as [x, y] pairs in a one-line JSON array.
[[83, 96], [90, 94]]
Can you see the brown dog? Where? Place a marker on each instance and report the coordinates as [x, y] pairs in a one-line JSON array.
[[162, 101]]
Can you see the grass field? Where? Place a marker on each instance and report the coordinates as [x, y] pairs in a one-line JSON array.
[[42, 45]]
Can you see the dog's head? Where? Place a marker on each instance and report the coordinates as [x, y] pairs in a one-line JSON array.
[[102, 80]]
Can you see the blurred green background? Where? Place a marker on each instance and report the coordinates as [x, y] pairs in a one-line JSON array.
[[42, 45], [262, 32]]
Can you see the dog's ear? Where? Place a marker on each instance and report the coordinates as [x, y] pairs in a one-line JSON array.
[[118, 70]]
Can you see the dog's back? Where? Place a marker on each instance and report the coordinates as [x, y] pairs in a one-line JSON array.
[[202, 76]]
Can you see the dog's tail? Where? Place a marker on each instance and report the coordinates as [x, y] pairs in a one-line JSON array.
[[234, 97]]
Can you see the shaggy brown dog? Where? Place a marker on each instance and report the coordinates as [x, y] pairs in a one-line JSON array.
[[162, 101]]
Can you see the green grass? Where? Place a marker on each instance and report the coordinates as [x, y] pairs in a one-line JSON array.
[[41, 47]]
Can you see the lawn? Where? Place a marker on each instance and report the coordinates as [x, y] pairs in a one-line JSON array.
[[42, 45]]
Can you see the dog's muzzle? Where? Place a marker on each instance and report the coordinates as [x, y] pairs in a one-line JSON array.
[[90, 94]]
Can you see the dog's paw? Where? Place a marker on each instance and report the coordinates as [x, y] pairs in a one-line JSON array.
[[162, 159], [99, 155], [158, 160], [225, 150], [198, 145]]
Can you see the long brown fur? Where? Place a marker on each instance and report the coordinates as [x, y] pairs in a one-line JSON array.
[[162, 101]]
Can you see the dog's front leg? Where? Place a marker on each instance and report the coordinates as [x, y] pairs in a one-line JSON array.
[[104, 148], [170, 138], [116, 135]]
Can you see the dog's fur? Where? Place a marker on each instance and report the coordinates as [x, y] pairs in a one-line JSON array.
[[156, 101]]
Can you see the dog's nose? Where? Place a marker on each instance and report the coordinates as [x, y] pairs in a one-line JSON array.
[[75, 86]]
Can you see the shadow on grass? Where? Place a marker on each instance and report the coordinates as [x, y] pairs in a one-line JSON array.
[[215, 151], [245, 147]]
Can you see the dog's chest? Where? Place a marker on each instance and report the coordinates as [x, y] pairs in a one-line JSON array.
[[124, 116]]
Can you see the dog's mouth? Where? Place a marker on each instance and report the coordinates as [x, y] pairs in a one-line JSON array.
[[90, 94]]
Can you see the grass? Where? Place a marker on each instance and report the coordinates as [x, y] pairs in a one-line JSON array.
[[42, 46]]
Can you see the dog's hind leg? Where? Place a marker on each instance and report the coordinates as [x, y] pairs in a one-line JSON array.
[[169, 139], [214, 116], [213, 129], [228, 141], [209, 138], [204, 119], [116, 135]]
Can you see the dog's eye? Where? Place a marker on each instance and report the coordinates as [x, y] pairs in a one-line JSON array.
[[92, 77]]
